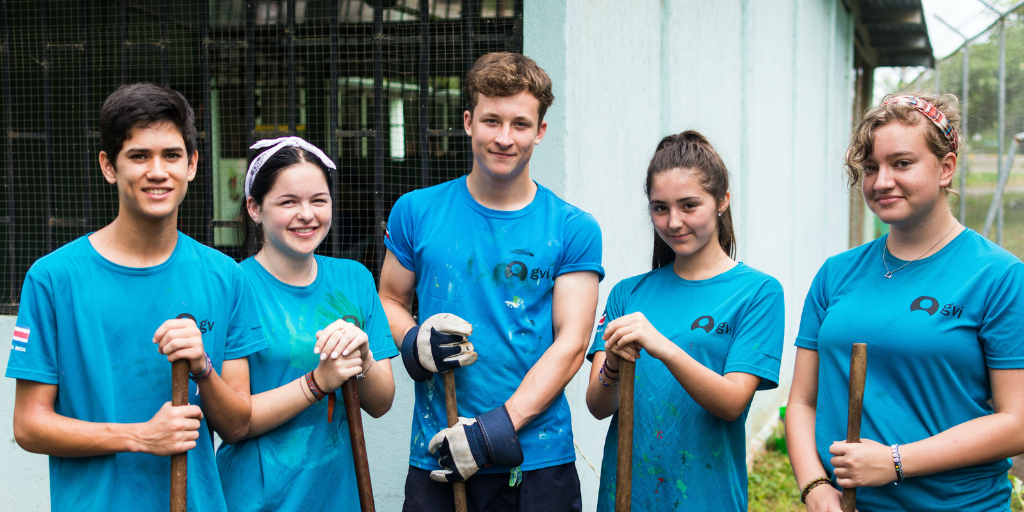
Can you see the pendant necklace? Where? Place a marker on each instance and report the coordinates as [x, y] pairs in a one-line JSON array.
[[885, 249]]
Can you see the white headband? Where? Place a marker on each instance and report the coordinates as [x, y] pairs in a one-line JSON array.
[[283, 142]]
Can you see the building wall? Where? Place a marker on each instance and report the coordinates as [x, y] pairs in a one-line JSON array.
[[771, 86], [769, 83]]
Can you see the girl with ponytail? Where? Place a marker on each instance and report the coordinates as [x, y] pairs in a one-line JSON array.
[[711, 329]]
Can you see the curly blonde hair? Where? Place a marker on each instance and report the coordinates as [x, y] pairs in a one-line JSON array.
[[862, 140]]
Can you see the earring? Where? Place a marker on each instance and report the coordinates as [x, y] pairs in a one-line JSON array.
[[719, 214]]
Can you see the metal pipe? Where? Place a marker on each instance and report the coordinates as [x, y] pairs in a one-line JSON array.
[[469, 30], [289, 41], [1004, 176], [378, 131], [333, 143], [87, 161], [9, 175], [1002, 114], [47, 66], [250, 77], [963, 131], [424, 94], [207, 123], [165, 43], [983, 31], [124, 43]]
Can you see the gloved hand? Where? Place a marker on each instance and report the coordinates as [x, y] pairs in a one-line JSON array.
[[437, 346], [476, 443]]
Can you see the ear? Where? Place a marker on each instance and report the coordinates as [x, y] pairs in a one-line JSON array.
[[107, 168], [467, 123], [541, 130], [947, 169], [253, 209], [724, 205], [193, 164]]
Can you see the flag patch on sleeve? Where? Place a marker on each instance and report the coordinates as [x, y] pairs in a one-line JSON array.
[[21, 334]]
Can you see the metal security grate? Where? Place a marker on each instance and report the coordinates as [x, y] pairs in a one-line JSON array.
[[375, 83]]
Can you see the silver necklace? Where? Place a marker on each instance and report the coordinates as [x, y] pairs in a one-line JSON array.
[[885, 248], [263, 261]]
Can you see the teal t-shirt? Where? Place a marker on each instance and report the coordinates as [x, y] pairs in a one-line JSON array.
[[86, 325], [497, 270], [933, 331], [305, 464], [684, 457]]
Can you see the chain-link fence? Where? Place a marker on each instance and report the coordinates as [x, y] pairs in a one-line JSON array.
[[987, 74], [375, 83]]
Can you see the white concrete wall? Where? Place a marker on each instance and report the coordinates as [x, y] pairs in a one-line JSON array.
[[769, 83]]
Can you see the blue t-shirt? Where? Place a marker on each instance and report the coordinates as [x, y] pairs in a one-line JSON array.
[[495, 269], [684, 456], [89, 325], [287, 468], [933, 331]]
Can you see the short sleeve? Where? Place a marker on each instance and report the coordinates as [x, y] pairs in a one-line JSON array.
[[398, 236], [813, 314], [1002, 329], [245, 332], [375, 323], [582, 244], [757, 345], [613, 309], [34, 343]]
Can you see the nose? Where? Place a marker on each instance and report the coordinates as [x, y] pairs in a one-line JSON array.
[[504, 138], [675, 218], [305, 212], [158, 169], [883, 178]]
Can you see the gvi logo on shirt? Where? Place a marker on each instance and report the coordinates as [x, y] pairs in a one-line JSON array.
[[930, 305], [204, 325], [520, 270], [707, 323]]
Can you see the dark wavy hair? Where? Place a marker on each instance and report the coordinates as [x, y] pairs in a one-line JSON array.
[[250, 237], [142, 105], [691, 151]]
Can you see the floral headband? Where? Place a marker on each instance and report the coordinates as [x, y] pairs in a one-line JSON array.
[[932, 113]]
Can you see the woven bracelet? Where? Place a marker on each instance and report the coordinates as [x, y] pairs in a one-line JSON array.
[[821, 480], [314, 388]]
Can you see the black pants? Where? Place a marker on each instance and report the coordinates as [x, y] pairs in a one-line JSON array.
[[554, 489]]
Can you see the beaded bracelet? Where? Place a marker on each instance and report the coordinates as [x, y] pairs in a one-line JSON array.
[[318, 393], [601, 375], [205, 373], [898, 463], [811, 485]]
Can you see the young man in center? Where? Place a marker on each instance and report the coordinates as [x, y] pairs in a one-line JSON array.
[[102, 318], [506, 275]]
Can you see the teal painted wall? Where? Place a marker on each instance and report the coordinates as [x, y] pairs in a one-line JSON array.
[[769, 83]]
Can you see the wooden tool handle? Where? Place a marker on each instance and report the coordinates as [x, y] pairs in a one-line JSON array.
[[452, 408], [858, 372], [350, 394], [624, 464], [179, 462]]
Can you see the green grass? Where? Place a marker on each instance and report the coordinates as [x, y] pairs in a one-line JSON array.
[[1013, 208], [989, 179], [772, 488]]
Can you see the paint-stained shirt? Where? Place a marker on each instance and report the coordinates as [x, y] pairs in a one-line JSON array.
[[495, 269], [933, 331], [86, 325], [289, 467], [684, 457]]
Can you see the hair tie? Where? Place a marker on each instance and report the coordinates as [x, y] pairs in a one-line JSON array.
[[282, 142], [932, 113]]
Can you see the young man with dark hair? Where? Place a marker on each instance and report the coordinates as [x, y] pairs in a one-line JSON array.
[[497, 256], [102, 318]]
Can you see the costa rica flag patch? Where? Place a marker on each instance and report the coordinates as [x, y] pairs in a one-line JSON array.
[[21, 334]]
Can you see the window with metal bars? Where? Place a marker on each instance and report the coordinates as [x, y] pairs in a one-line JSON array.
[[375, 83]]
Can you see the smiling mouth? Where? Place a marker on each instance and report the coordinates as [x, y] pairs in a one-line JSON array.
[[303, 231], [157, 191]]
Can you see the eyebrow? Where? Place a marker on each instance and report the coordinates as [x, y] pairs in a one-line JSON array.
[[147, 150]]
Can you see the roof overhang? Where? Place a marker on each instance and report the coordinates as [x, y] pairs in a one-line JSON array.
[[891, 33]]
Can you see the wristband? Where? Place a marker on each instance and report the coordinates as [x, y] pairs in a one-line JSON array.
[[821, 480], [206, 371], [601, 375], [898, 463], [318, 393]]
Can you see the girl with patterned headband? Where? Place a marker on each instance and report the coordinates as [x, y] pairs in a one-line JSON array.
[[940, 308], [324, 325]]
